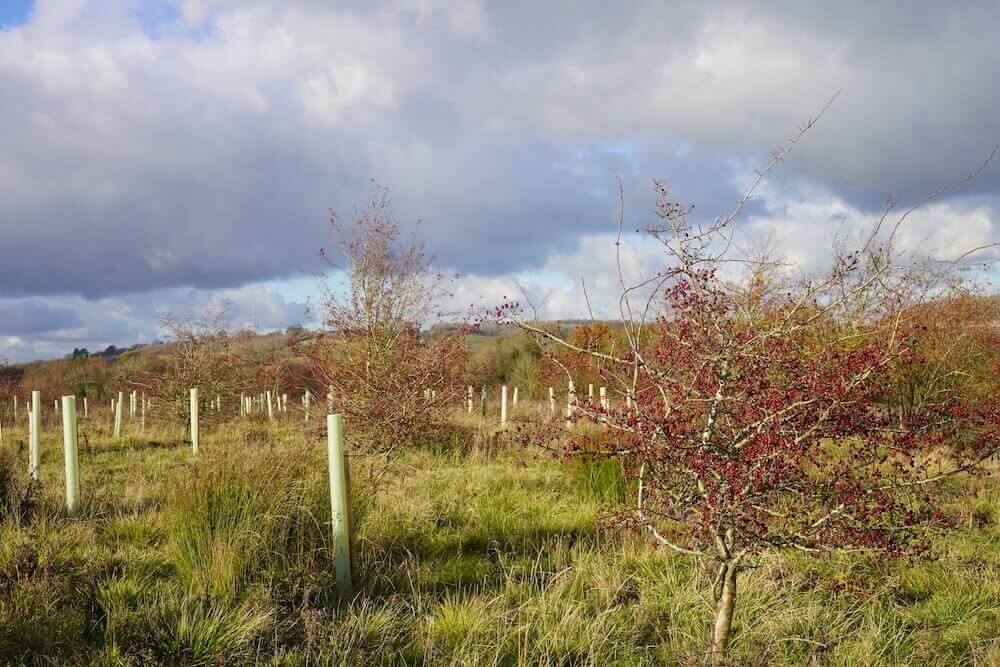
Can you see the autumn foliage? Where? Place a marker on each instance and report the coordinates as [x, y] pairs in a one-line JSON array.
[[758, 408], [393, 382]]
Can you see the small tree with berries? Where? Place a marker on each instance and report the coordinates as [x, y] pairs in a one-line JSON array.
[[756, 407]]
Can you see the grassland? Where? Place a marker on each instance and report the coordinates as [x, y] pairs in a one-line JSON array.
[[468, 552]]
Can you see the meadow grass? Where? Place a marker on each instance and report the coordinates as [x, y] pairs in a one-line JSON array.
[[468, 552]]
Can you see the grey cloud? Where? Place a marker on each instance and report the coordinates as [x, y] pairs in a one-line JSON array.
[[51, 326], [209, 154], [34, 316]]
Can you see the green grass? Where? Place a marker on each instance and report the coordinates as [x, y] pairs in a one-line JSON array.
[[475, 554]]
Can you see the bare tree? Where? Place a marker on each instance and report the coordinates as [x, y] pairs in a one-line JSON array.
[[202, 354], [391, 379]]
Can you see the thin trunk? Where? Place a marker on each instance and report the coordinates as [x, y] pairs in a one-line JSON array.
[[725, 601]]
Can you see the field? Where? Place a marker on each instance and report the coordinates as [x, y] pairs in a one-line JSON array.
[[468, 552]]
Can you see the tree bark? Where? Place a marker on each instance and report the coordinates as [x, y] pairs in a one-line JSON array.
[[724, 603]]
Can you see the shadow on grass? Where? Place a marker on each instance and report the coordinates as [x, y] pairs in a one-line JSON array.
[[464, 557], [136, 446]]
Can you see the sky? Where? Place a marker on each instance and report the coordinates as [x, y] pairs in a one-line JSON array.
[[166, 156]]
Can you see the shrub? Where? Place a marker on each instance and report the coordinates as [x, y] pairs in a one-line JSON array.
[[392, 382]]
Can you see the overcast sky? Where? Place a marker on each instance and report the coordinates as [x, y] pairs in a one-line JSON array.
[[165, 155]]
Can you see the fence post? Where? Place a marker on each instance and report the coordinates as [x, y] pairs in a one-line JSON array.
[[35, 423], [71, 455], [194, 420], [340, 521]]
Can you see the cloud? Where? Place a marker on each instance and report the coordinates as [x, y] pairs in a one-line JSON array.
[[150, 148], [32, 328], [802, 226], [31, 316]]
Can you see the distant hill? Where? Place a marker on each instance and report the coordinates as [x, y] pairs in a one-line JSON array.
[[258, 341]]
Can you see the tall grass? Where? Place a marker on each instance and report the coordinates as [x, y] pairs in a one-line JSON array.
[[472, 554]]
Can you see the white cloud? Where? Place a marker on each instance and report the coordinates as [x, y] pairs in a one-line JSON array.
[[51, 327], [144, 155]]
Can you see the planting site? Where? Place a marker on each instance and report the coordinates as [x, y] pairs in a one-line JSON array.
[[467, 544], [456, 332]]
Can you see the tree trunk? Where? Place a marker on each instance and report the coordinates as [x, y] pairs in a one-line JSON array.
[[725, 601]]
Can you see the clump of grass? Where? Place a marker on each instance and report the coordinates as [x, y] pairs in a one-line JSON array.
[[18, 492], [163, 626], [243, 517], [45, 591], [257, 435], [195, 631], [465, 556], [603, 479]]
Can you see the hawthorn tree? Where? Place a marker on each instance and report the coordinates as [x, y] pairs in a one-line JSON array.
[[755, 402], [392, 380], [204, 354]]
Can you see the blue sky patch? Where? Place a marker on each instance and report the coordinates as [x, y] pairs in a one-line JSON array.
[[161, 20], [15, 12]]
